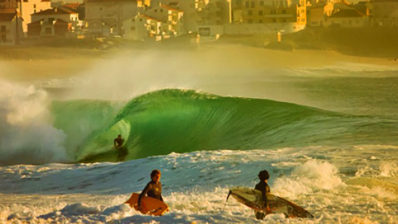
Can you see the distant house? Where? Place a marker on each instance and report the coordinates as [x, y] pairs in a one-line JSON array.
[[170, 17], [106, 17], [191, 9], [60, 21], [216, 12], [347, 18], [30, 7], [383, 13], [143, 27], [264, 16], [318, 12], [10, 27], [25, 8]]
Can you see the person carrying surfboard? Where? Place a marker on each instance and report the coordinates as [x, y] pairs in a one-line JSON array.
[[153, 188], [264, 188]]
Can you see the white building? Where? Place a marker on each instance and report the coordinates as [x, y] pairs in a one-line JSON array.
[[142, 27], [57, 21], [384, 13], [28, 7], [10, 27], [106, 17]]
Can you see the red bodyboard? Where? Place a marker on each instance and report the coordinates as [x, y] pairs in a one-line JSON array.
[[149, 206]]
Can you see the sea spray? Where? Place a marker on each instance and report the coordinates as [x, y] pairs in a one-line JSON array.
[[26, 133], [311, 176]]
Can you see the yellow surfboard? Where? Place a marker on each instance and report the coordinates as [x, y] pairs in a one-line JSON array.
[[149, 206], [253, 199]]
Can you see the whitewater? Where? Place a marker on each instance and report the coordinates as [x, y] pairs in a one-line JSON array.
[[328, 135]]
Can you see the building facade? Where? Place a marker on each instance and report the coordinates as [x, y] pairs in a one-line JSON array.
[[10, 27], [106, 18], [58, 21], [383, 13]]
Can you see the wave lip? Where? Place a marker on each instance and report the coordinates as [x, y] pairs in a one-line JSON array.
[[174, 120]]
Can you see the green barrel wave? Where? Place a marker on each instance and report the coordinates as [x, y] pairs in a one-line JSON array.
[[174, 120]]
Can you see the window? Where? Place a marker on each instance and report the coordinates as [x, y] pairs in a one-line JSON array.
[[261, 3], [3, 29], [247, 4], [250, 21], [260, 21], [260, 12], [249, 12], [253, 4]]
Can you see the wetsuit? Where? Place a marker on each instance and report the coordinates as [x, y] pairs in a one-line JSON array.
[[153, 190], [122, 150], [118, 142], [264, 188]]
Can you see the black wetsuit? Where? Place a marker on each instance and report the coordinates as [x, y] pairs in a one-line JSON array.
[[122, 150], [118, 142], [153, 190], [264, 188]]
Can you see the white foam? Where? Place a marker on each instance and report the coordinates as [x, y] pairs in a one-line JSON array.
[[26, 133], [311, 176]]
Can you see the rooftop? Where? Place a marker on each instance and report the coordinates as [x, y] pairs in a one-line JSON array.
[[56, 11], [7, 16]]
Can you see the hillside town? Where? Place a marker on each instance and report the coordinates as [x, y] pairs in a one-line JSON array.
[[156, 20]]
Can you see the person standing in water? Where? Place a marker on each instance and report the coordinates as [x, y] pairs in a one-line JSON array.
[[121, 149], [153, 188], [264, 188]]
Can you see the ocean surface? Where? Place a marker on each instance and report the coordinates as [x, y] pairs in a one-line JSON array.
[[327, 135]]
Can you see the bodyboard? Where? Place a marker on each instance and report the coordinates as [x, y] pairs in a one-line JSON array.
[[253, 199], [150, 206]]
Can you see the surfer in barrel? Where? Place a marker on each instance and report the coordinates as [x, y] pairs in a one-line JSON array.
[[121, 149], [153, 188], [264, 188]]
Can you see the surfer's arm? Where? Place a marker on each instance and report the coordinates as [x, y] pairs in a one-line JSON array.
[[143, 193], [264, 198]]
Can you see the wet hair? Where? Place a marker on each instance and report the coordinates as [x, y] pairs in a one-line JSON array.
[[154, 172], [263, 175]]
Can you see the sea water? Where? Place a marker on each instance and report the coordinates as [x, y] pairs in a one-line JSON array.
[[329, 142]]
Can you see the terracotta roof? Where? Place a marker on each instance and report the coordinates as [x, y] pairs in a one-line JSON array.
[[149, 17], [55, 11], [7, 17], [170, 8], [347, 13]]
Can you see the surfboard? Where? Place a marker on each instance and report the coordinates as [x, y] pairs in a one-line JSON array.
[[253, 199], [149, 206]]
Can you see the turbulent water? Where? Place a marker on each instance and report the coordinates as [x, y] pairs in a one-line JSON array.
[[335, 155]]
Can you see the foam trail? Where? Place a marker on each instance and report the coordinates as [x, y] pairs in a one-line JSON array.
[[26, 133]]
